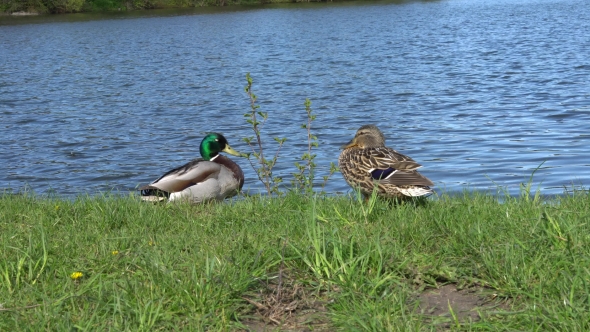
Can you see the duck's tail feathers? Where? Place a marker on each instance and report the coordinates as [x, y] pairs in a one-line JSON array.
[[153, 194], [417, 191]]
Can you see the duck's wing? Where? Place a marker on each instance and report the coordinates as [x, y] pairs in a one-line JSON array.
[[391, 167], [187, 175], [387, 157]]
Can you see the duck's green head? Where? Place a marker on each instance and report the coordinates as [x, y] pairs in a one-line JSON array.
[[214, 143]]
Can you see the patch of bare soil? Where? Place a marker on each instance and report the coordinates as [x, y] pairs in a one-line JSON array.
[[466, 304], [283, 304]]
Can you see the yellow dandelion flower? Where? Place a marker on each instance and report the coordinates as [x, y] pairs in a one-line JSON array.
[[76, 275], [115, 252], [56, 207], [151, 243]]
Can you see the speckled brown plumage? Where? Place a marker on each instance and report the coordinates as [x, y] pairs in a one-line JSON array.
[[367, 164]]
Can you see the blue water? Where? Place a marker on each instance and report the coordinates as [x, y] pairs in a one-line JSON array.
[[481, 93]]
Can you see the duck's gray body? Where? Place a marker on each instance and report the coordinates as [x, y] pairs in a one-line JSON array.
[[197, 181]]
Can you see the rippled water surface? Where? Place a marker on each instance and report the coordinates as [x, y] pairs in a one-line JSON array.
[[479, 92]]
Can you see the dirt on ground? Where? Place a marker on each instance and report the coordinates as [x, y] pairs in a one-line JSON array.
[[283, 304], [447, 305]]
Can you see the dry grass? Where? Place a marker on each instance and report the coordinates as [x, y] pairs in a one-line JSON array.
[[284, 303]]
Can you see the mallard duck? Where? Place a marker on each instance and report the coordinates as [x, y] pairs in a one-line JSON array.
[[212, 177], [367, 164]]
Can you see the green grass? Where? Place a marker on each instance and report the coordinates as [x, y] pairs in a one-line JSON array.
[[173, 267]]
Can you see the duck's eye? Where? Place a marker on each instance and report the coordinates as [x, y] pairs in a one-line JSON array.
[[216, 140]]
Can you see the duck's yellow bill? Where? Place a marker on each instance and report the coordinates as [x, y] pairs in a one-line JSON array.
[[231, 151]]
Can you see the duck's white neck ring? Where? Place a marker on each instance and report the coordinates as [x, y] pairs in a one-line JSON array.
[[217, 155]]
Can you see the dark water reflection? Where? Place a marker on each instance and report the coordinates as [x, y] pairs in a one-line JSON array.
[[480, 92]]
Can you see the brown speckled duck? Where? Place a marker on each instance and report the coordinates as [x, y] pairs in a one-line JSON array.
[[367, 164], [212, 177]]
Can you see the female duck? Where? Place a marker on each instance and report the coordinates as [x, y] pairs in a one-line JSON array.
[[213, 177], [367, 164]]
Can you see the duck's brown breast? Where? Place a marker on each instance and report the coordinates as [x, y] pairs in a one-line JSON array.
[[235, 169]]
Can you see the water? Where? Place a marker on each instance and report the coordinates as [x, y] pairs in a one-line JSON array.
[[479, 92]]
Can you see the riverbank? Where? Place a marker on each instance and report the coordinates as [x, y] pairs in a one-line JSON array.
[[464, 262], [36, 7], [24, 13]]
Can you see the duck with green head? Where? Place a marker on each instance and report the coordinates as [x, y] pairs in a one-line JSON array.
[[367, 164], [212, 177]]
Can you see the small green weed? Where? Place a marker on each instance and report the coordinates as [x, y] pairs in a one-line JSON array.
[[264, 165]]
